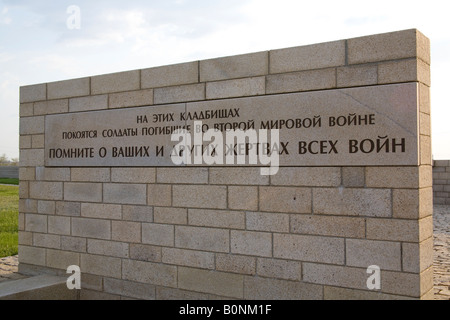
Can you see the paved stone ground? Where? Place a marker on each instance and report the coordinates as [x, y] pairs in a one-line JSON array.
[[8, 266], [8, 269], [442, 252]]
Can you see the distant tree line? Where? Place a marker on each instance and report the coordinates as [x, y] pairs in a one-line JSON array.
[[5, 161]]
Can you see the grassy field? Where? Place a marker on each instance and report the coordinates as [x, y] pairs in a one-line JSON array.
[[9, 219], [9, 181]]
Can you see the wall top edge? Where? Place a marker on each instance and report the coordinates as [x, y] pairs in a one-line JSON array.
[[394, 34]]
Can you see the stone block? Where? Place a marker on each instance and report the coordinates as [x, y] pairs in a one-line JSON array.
[[387, 46], [257, 288], [412, 204], [354, 76], [25, 142], [281, 269], [216, 218], [36, 223], [46, 207], [99, 102], [188, 258], [158, 234], [68, 88], [90, 175], [170, 215], [25, 238], [169, 294], [52, 174], [190, 92], [159, 195], [352, 202], [126, 231], [348, 227], [393, 230], [74, 244], [285, 199], [145, 253], [425, 124], [333, 293], [353, 177], [316, 56], [24, 189], [125, 193], [133, 175], [32, 158], [243, 198], [58, 259], [32, 125], [59, 225], [412, 253], [108, 248], [131, 99], [150, 273], [102, 265], [236, 88], [426, 176], [240, 66], [26, 174], [207, 239], [309, 248], [28, 206], [46, 190], [198, 196], [116, 82], [424, 99], [213, 282], [91, 228], [32, 255], [130, 289], [407, 284], [101, 211], [85, 192], [68, 209], [441, 163], [365, 253], [339, 276], [33, 93], [182, 175], [51, 107], [311, 177], [38, 141], [172, 75], [90, 295], [426, 157], [404, 71], [270, 222], [251, 243], [237, 176], [301, 81], [26, 109], [236, 264], [137, 213]]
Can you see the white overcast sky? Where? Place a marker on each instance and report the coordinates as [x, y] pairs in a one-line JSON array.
[[36, 46]]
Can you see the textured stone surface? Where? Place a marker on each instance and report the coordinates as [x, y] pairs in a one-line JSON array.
[[355, 187]]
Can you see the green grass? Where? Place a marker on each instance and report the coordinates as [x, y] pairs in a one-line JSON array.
[[9, 181], [9, 220]]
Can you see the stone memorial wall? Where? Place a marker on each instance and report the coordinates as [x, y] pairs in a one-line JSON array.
[[324, 192], [441, 182]]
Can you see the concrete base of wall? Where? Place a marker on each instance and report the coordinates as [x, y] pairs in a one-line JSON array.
[[44, 287]]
